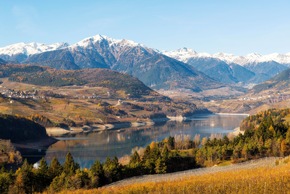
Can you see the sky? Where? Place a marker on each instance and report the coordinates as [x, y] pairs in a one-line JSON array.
[[238, 27]]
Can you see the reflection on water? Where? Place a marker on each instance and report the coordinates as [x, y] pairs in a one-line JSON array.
[[86, 148]]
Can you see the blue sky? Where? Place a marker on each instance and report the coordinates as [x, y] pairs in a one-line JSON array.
[[238, 27]]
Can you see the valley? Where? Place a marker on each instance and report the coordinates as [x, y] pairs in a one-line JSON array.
[[78, 98], [104, 98]]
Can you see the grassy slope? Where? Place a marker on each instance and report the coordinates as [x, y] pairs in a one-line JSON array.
[[270, 179]]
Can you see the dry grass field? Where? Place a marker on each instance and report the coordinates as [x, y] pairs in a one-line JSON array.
[[263, 176]]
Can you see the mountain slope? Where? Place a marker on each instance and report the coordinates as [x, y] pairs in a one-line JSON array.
[[213, 67], [266, 69], [216, 69], [278, 83], [242, 74], [2, 62], [154, 69]]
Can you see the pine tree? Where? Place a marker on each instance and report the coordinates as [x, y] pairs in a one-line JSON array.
[[69, 166], [97, 174], [43, 167], [24, 179], [112, 169], [55, 168], [58, 183], [42, 178], [134, 160], [171, 143], [165, 153]]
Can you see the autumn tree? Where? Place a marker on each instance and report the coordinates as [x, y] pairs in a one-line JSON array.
[[24, 179]]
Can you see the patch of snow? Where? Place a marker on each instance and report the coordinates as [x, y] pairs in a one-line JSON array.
[[30, 48]]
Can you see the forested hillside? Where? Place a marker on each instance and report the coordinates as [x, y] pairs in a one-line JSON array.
[[93, 77], [19, 129]]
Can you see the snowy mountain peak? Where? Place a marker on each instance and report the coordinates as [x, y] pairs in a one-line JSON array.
[[90, 41], [30, 48], [186, 50], [184, 54]]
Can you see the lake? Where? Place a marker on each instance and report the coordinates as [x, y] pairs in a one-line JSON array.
[[86, 148]]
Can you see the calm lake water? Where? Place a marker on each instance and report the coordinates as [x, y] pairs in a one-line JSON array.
[[86, 148]]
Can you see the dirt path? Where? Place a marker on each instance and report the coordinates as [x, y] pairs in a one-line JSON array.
[[264, 162]]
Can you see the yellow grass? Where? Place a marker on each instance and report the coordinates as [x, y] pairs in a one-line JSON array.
[[275, 179]]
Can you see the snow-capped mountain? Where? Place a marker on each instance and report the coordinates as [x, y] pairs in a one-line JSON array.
[[153, 68], [229, 68], [91, 41], [184, 68], [20, 51], [184, 54]]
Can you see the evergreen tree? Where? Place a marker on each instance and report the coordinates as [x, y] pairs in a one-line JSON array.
[[42, 178], [55, 168], [58, 183], [134, 159], [6, 179], [171, 143], [97, 174], [78, 180], [24, 179], [69, 166], [112, 169], [165, 153], [43, 167]]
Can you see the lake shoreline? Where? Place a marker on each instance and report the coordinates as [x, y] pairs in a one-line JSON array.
[[59, 131], [97, 142]]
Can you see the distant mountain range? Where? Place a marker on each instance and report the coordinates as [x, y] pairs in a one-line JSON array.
[[153, 68], [184, 54], [228, 68], [182, 69]]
